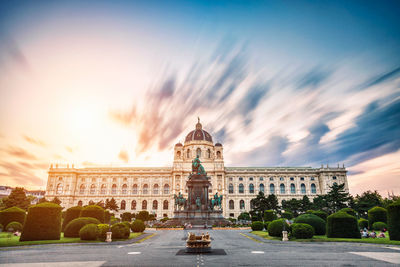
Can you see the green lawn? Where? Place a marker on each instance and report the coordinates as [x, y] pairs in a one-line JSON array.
[[323, 238], [9, 240]]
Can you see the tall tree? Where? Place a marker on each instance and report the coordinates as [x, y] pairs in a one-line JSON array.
[[17, 198], [259, 205], [337, 198], [367, 201], [292, 205], [111, 204], [320, 203], [272, 202], [305, 204]]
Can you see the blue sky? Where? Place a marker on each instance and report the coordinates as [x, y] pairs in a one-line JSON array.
[[279, 83]]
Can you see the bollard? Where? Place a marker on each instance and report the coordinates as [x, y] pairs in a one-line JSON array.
[[108, 239], [284, 236]]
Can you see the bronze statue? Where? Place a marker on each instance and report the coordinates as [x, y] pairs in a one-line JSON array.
[[197, 168]]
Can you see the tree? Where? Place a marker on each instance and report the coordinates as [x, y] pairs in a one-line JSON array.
[[17, 198], [259, 205], [305, 204], [320, 203], [292, 205], [56, 200], [111, 204], [272, 202], [337, 198], [91, 203], [42, 200], [367, 201], [244, 216], [143, 215], [100, 204]]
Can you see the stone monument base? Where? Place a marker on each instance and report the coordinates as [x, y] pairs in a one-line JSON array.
[[199, 219]]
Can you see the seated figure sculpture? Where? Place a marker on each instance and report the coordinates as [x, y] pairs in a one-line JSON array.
[[197, 168]]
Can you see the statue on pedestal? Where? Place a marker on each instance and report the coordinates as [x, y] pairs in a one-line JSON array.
[[216, 201], [180, 201], [197, 168]]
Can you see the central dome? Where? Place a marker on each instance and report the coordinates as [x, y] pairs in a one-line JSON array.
[[199, 134]]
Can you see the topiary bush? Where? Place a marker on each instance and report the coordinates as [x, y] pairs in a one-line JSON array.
[[107, 216], [287, 215], [70, 214], [102, 230], [43, 222], [362, 223], [269, 215], [257, 226], [88, 232], [14, 226], [120, 231], [93, 211], [138, 226], [126, 217], [379, 226], [394, 220], [73, 227], [266, 225], [316, 222], [322, 214], [377, 214], [13, 214], [341, 224], [276, 227], [302, 230], [127, 224], [349, 211]]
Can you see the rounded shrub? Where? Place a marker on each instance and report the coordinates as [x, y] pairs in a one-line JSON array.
[[302, 230], [287, 215], [377, 214], [138, 226], [102, 230], [13, 214], [107, 216], [322, 214], [1, 227], [43, 222], [126, 217], [276, 227], [341, 224], [93, 211], [127, 224], [269, 215], [119, 231], [73, 227], [362, 223], [266, 225], [394, 220], [14, 226], [349, 211], [70, 214], [257, 226], [316, 222], [88, 232], [379, 226]]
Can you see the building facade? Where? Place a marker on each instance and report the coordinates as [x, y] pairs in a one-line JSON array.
[[153, 189]]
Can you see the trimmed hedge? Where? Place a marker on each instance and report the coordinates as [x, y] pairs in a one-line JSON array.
[[93, 211], [341, 224], [266, 225], [126, 217], [287, 215], [349, 211], [275, 227], [15, 226], [88, 232], [322, 214], [120, 231], [138, 226], [73, 227], [70, 214], [316, 222], [127, 224], [43, 222], [270, 215], [302, 230], [102, 230], [394, 220], [13, 214], [379, 226], [257, 226], [377, 214], [362, 223]]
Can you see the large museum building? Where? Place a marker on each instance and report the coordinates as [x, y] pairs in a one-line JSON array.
[[153, 188]]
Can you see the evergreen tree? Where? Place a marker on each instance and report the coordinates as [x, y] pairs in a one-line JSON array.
[[272, 203], [367, 201], [56, 200], [100, 204], [17, 198], [305, 204], [111, 204], [259, 205], [245, 216], [292, 205], [337, 198], [320, 203]]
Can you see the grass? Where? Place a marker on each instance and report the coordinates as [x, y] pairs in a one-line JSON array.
[[9, 240], [324, 238]]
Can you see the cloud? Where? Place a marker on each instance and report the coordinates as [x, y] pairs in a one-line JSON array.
[[123, 155], [395, 73], [11, 50], [34, 141], [20, 153], [18, 174]]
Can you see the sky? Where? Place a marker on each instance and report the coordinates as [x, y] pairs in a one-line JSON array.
[[278, 83]]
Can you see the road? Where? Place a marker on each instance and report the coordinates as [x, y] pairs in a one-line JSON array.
[[241, 248]]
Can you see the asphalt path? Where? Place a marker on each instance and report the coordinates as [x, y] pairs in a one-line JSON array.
[[241, 248]]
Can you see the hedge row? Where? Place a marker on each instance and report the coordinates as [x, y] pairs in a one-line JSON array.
[[316, 222], [394, 220], [71, 213], [13, 214], [341, 224]]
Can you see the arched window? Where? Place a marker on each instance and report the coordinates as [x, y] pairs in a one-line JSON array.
[[134, 189], [155, 204], [66, 188], [313, 189], [144, 205], [59, 189], [103, 189], [282, 187], [251, 189], [82, 189], [165, 204], [178, 154], [188, 153], [272, 189], [231, 204], [123, 205], [114, 189], [178, 187], [166, 189], [242, 204], [262, 188], [292, 189], [133, 205], [155, 189], [241, 189], [230, 188], [92, 189], [198, 152], [208, 153], [218, 154], [80, 203], [145, 189], [303, 188], [124, 189]]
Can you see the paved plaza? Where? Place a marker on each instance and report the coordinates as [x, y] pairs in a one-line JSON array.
[[241, 248]]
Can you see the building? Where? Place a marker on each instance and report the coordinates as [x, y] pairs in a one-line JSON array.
[[153, 188], [37, 194]]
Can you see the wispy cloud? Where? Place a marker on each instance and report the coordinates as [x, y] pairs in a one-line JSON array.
[[20, 153], [123, 156], [34, 141]]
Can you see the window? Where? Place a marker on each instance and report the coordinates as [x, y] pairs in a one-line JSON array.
[[272, 189], [231, 205], [301, 178], [251, 189], [114, 189], [241, 189], [198, 152], [92, 189], [166, 189], [241, 204], [292, 189], [178, 187], [134, 189], [123, 205], [218, 154], [124, 189], [66, 188], [231, 215], [178, 154], [281, 179], [188, 153], [291, 179], [103, 189], [312, 178], [230, 179], [82, 189], [282, 187], [271, 178], [80, 203], [334, 177], [59, 189], [313, 189], [165, 204], [155, 204], [219, 187], [114, 180], [251, 178], [262, 188], [93, 180], [133, 205], [59, 178], [155, 189], [240, 178], [145, 189], [303, 188], [208, 153], [261, 178], [144, 205], [230, 188]]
